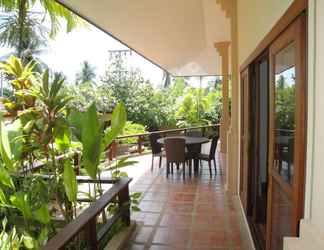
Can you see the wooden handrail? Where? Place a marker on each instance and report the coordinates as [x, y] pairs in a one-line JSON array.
[[40, 164], [87, 219], [140, 138], [85, 179], [166, 131]]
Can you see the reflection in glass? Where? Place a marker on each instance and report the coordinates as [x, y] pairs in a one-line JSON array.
[[285, 100]]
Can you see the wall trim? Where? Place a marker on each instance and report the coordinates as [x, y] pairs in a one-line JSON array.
[[250, 242], [311, 109]]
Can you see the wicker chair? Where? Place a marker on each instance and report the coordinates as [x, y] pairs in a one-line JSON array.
[[156, 149], [175, 153], [211, 156]]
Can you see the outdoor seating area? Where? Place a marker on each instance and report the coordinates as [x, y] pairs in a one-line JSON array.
[[191, 213]]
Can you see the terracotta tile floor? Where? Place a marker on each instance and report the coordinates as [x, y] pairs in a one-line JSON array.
[[195, 213]]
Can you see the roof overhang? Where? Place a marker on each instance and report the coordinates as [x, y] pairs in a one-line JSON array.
[[178, 36]]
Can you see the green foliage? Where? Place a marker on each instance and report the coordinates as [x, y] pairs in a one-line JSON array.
[[69, 180], [177, 104], [89, 130], [88, 93], [40, 122], [9, 240], [42, 131], [86, 74], [128, 86], [90, 137], [285, 104], [132, 129]]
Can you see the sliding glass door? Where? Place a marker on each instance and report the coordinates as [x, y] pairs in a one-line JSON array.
[[287, 126]]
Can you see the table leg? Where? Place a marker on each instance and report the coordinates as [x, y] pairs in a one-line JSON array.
[[196, 166]]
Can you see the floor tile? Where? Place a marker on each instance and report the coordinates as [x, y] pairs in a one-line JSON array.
[[143, 234], [191, 214], [171, 236]]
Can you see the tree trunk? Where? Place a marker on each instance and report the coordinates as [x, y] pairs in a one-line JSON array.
[[22, 14]]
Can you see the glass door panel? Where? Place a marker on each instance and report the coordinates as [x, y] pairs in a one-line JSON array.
[[284, 112], [287, 126]]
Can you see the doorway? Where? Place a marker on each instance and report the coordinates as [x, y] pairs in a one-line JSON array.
[[273, 136]]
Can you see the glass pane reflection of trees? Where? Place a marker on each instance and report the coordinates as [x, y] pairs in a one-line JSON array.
[[285, 113]]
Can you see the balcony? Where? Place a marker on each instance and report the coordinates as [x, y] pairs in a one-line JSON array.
[[194, 213]]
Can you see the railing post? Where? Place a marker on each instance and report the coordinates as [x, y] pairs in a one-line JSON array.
[[124, 204], [139, 144], [91, 232], [76, 163]]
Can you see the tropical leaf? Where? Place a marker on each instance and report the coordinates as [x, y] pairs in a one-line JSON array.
[[5, 149], [15, 138], [76, 121], [91, 135], [9, 240], [3, 198], [29, 241], [20, 201], [70, 182], [42, 214], [62, 136], [5, 178], [118, 122]]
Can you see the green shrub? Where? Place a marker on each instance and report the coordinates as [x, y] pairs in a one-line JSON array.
[[132, 129]]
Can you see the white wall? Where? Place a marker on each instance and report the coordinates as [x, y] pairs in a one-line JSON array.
[[314, 202], [251, 29]]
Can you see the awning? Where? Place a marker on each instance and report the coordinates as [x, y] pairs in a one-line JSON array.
[[178, 36]]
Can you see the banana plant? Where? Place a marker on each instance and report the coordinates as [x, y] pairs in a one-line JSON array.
[[89, 130]]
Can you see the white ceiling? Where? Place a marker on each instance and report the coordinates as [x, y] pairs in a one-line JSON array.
[[177, 35]]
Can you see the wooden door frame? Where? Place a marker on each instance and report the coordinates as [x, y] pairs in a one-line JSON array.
[[296, 32], [245, 94], [256, 67]]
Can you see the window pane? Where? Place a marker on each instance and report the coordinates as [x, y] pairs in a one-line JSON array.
[[285, 100]]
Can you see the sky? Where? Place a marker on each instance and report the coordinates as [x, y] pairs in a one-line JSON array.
[[67, 52]]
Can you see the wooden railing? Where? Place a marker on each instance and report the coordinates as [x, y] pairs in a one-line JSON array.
[[86, 222], [112, 152]]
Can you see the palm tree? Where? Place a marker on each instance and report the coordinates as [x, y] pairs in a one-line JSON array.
[[166, 79], [87, 73], [21, 26], [27, 40]]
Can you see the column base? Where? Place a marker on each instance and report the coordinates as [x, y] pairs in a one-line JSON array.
[[232, 161], [311, 238]]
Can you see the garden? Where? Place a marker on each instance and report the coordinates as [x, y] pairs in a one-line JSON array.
[[41, 132]]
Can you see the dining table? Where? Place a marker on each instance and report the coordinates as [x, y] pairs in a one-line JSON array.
[[193, 145]]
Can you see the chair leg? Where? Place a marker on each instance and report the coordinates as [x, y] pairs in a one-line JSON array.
[[177, 166], [190, 170], [167, 169], [171, 168], [183, 170], [209, 165], [160, 162], [152, 162], [215, 166]]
